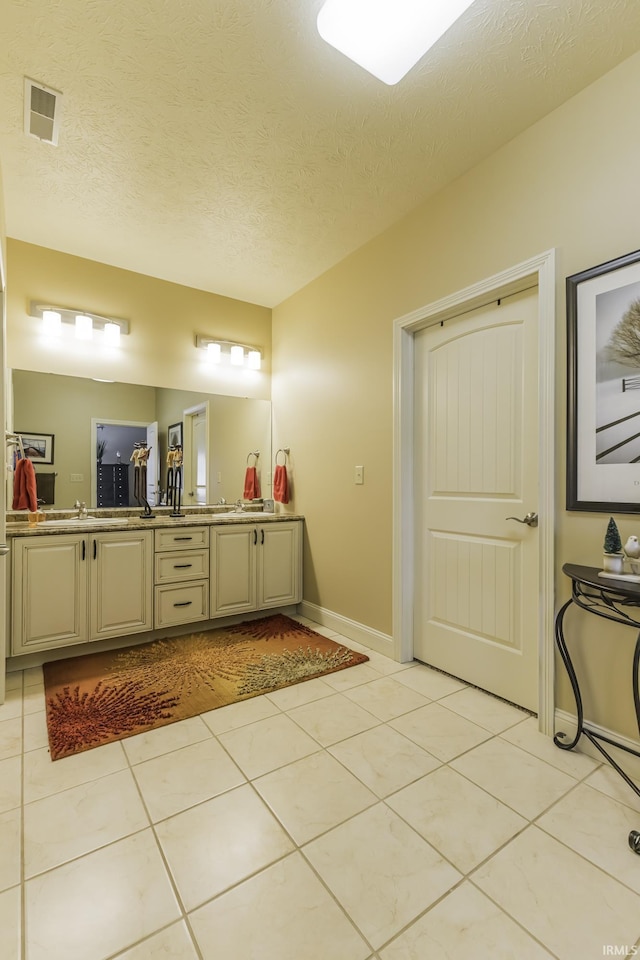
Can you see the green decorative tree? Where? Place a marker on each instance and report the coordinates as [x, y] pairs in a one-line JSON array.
[[612, 541]]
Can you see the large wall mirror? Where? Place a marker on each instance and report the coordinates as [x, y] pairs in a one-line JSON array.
[[94, 425]]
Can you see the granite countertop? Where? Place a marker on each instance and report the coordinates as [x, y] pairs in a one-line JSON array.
[[117, 520]]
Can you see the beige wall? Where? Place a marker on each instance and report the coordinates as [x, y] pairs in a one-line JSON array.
[[570, 182], [163, 317]]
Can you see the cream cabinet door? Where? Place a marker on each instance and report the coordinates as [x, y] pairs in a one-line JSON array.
[[49, 592], [121, 582], [279, 557], [233, 569]]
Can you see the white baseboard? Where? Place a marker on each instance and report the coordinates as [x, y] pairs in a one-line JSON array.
[[630, 764], [373, 639]]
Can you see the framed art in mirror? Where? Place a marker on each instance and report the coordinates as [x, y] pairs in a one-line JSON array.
[[174, 434], [37, 446], [603, 387]]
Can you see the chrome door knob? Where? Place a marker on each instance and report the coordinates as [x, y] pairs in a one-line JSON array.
[[531, 519]]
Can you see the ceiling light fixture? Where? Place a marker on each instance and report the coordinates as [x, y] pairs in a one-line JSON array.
[[234, 353], [387, 37], [85, 323]]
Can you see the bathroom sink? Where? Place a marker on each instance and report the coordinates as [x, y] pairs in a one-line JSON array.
[[73, 521]]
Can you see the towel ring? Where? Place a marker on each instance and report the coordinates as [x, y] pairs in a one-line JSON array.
[[253, 453], [285, 452]]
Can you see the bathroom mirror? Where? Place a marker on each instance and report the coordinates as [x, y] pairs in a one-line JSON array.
[[72, 410]]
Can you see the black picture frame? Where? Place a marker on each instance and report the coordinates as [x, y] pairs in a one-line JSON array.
[[174, 435], [603, 391], [38, 447]]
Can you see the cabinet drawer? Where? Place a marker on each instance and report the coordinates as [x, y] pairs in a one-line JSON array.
[[178, 565], [182, 538], [182, 603]]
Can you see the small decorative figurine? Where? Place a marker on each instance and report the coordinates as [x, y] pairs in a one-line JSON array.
[[632, 548], [613, 556]]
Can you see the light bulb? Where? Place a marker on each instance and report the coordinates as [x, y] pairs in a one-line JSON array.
[[112, 334], [84, 327], [254, 359], [214, 352], [51, 323], [237, 356]]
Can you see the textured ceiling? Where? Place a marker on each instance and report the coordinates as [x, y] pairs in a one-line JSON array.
[[223, 145]]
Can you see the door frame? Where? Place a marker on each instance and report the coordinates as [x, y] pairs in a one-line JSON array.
[[188, 417], [538, 271], [109, 422]]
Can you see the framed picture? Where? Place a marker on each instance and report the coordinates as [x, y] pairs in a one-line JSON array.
[[603, 382], [174, 435], [38, 447]]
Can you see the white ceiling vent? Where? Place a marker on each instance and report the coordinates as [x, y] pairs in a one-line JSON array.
[[41, 111]]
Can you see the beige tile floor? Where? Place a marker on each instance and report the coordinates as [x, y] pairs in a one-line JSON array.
[[386, 812]]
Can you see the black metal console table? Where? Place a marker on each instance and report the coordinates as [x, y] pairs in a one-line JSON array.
[[617, 600]]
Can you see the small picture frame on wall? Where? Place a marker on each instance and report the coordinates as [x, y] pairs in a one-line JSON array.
[[603, 387], [174, 435], [38, 447]]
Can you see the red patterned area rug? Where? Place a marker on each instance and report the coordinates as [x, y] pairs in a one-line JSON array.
[[102, 697]]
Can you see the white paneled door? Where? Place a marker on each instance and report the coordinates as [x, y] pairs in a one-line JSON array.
[[476, 464]]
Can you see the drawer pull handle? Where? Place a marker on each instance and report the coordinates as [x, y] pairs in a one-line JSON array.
[[183, 538], [185, 603], [181, 566]]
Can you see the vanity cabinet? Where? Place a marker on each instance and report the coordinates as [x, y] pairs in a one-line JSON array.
[[181, 576], [121, 584], [72, 588], [254, 567]]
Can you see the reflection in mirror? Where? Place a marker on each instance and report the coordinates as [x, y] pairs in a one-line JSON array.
[[72, 408]]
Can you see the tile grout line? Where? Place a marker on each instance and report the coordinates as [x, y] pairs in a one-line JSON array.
[[23, 884], [168, 872]]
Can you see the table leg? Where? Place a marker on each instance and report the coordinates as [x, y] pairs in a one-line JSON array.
[[559, 738], [634, 836]]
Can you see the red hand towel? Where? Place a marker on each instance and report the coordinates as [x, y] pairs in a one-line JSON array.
[[25, 496], [17, 474], [251, 484], [280, 484]]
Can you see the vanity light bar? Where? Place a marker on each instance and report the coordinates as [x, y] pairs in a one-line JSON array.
[[113, 328], [237, 354]]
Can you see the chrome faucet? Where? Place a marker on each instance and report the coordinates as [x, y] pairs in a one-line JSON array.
[[81, 507], [239, 506]]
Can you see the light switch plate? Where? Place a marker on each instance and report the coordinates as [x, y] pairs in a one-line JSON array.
[[359, 475]]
